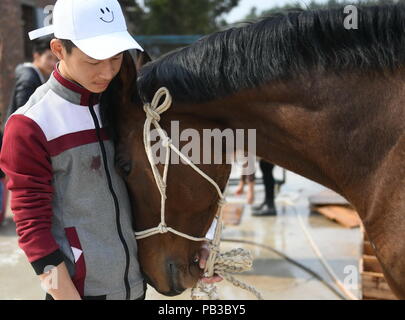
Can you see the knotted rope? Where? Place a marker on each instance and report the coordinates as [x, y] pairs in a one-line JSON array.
[[234, 261], [223, 264]]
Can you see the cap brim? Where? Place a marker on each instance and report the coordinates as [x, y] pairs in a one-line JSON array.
[[108, 45], [42, 32]]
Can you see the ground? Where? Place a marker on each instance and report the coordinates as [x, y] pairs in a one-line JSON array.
[[273, 276]]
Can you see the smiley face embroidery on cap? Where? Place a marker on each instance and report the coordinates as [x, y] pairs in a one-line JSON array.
[[108, 15]]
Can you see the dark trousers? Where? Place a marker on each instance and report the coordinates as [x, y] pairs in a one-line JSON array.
[[268, 181]]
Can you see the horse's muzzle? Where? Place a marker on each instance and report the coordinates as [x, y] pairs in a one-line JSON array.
[[173, 274]]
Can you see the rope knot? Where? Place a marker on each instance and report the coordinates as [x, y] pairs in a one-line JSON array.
[[151, 113], [166, 142], [162, 228], [234, 261], [222, 202]]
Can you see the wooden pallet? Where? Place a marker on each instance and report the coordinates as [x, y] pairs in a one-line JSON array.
[[232, 213], [334, 207], [344, 215], [374, 285]]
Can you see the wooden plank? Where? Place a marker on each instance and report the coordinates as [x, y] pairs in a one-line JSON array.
[[232, 213], [375, 286], [365, 236], [345, 216], [327, 197], [371, 264], [370, 298], [368, 249]]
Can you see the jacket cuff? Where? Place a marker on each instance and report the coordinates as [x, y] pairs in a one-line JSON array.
[[53, 259], [211, 232]]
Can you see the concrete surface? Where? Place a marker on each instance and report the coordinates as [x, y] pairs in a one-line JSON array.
[[274, 277]]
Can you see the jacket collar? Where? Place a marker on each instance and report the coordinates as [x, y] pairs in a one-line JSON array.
[[72, 91]]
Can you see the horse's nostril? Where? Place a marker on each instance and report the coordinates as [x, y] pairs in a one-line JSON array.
[[174, 274], [172, 269]]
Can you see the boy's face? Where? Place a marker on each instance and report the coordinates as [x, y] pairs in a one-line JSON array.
[[94, 75], [45, 62]]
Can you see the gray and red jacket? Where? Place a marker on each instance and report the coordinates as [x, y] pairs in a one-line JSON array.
[[69, 203]]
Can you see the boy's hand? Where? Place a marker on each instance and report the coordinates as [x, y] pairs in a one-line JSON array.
[[63, 287], [203, 256]]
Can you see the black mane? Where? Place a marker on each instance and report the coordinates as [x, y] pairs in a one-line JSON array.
[[278, 48]]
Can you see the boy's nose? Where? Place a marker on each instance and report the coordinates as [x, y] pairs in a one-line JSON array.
[[107, 74]]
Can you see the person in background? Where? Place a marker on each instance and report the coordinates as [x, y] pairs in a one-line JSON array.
[[31, 75], [247, 178], [267, 208]]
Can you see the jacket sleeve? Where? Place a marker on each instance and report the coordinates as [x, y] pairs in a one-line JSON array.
[[25, 160], [25, 86]]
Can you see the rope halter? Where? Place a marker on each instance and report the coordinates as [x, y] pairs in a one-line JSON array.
[[153, 111], [216, 262]]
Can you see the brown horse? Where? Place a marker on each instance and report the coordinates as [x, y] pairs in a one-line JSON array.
[[327, 103]]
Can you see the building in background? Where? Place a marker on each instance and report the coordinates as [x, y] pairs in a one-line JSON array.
[[17, 18]]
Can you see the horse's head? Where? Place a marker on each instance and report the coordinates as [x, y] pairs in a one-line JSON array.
[[168, 261]]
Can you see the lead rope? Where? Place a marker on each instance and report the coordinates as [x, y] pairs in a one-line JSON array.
[[237, 260]]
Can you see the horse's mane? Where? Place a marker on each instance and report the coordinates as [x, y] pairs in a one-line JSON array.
[[279, 47]]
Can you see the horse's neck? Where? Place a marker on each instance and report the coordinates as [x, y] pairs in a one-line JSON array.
[[330, 132]]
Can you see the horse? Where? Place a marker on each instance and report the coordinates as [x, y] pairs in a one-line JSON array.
[[327, 103]]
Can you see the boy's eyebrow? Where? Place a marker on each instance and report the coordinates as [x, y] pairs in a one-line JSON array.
[[110, 58]]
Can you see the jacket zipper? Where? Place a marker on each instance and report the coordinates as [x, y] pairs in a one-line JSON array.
[[117, 209]]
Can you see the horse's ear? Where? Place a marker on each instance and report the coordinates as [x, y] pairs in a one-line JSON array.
[[142, 58], [128, 72], [131, 65]]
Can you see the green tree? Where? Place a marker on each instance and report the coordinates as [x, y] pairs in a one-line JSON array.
[[180, 17], [135, 15]]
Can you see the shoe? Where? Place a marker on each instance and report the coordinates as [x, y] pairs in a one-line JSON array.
[[259, 207], [267, 211]]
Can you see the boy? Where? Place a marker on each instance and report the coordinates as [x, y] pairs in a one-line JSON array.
[[71, 208], [29, 76]]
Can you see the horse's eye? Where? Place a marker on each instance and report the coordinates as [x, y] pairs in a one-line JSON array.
[[125, 166]]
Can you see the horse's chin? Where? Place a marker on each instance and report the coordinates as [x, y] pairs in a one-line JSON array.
[[169, 276], [167, 288], [172, 293]]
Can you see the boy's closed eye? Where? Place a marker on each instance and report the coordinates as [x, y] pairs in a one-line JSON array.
[[96, 62]]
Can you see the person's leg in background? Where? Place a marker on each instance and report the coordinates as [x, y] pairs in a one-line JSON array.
[[248, 179], [241, 186], [250, 195], [267, 208]]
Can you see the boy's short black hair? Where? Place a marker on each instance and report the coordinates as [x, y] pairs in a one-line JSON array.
[[68, 45], [41, 45]]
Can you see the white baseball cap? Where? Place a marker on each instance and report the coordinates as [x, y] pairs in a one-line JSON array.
[[96, 27]]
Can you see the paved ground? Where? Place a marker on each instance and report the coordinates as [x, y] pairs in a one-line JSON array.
[[271, 275]]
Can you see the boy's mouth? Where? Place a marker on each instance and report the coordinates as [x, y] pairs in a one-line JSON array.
[[102, 84]]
